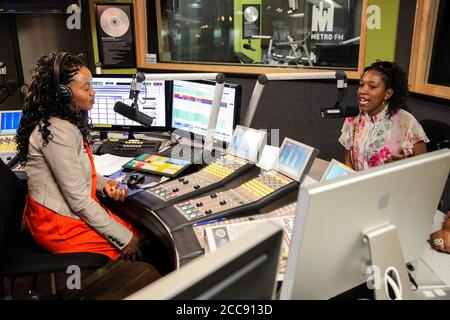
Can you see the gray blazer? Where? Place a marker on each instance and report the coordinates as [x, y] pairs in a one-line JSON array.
[[59, 178]]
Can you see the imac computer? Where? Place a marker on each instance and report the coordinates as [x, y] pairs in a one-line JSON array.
[[335, 170], [9, 121], [364, 228], [191, 106], [244, 268], [110, 89]]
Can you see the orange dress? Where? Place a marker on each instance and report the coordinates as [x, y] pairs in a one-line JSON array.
[[60, 234]]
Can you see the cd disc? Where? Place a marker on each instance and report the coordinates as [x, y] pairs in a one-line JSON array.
[[114, 22], [251, 14]]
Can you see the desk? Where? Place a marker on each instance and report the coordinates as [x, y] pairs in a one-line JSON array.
[[182, 246]]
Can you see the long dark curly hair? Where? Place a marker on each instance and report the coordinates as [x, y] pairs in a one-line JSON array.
[[394, 78], [40, 101]]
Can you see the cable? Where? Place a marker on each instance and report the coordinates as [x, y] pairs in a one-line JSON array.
[[395, 285], [145, 98]]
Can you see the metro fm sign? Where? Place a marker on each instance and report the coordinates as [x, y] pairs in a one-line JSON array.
[[322, 24]]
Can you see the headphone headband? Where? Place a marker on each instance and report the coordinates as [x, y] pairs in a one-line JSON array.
[[57, 64], [63, 93]]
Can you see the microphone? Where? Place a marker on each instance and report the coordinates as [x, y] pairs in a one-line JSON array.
[[132, 114], [249, 47], [136, 84], [7, 90], [339, 111]]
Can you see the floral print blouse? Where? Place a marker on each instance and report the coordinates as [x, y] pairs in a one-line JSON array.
[[371, 140]]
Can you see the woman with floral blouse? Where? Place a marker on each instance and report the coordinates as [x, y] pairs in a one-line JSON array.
[[383, 131]]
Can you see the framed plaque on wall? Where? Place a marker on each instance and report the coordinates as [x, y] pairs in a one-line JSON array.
[[115, 35], [251, 20]]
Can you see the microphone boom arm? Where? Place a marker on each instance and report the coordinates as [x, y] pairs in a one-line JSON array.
[[219, 78], [263, 79]]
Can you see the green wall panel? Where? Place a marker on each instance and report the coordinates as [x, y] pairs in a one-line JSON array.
[[380, 43]]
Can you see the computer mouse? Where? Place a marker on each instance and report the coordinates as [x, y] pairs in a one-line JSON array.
[[135, 179]]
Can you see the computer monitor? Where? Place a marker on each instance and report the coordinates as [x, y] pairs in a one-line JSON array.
[[110, 89], [295, 159], [335, 170], [9, 121], [244, 268], [191, 105], [382, 215], [246, 143]]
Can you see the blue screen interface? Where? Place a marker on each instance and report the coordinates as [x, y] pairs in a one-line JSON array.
[[245, 143], [292, 159], [10, 121], [337, 170]]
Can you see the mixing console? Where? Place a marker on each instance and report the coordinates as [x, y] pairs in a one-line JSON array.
[[8, 148], [269, 184], [288, 211], [241, 154], [125, 147], [208, 178], [294, 161]]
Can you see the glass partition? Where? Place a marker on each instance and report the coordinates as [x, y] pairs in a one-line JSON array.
[[429, 67], [439, 67], [263, 33]]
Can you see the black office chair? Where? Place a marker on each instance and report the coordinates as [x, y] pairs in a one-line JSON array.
[[19, 255], [439, 134]]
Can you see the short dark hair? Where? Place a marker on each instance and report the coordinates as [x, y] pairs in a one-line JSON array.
[[394, 78]]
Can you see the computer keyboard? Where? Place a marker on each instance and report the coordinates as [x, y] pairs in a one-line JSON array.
[[125, 147]]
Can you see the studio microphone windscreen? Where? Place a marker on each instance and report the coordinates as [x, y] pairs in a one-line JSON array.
[[130, 113], [248, 47]]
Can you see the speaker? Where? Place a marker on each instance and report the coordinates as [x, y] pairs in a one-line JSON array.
[[63, 93]]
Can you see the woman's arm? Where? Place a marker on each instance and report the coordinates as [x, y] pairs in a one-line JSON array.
[[347, 159], [419, 148]]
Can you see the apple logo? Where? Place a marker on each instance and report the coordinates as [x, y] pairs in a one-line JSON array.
[[384, 201]]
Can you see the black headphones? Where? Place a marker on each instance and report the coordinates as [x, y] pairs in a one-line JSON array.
[[63, 92]]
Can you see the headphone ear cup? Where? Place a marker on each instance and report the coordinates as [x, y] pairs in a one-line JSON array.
[[65, 94]]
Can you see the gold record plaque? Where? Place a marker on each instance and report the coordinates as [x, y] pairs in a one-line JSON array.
[[114, 22], [250, 20], [115, 35], [251, 14]]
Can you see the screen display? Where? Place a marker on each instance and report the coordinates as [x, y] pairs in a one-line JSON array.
[[191, 105], [10, 121], [156, 164], [337, 170], [246, 143], [109, 90], [294, 157]]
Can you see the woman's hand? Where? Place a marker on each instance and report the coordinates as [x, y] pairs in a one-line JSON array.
[[440, 240], [132, 250], [112, 190], [394, 157]]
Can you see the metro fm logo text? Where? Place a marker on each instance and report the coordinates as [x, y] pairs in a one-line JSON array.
[[322, 26]]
